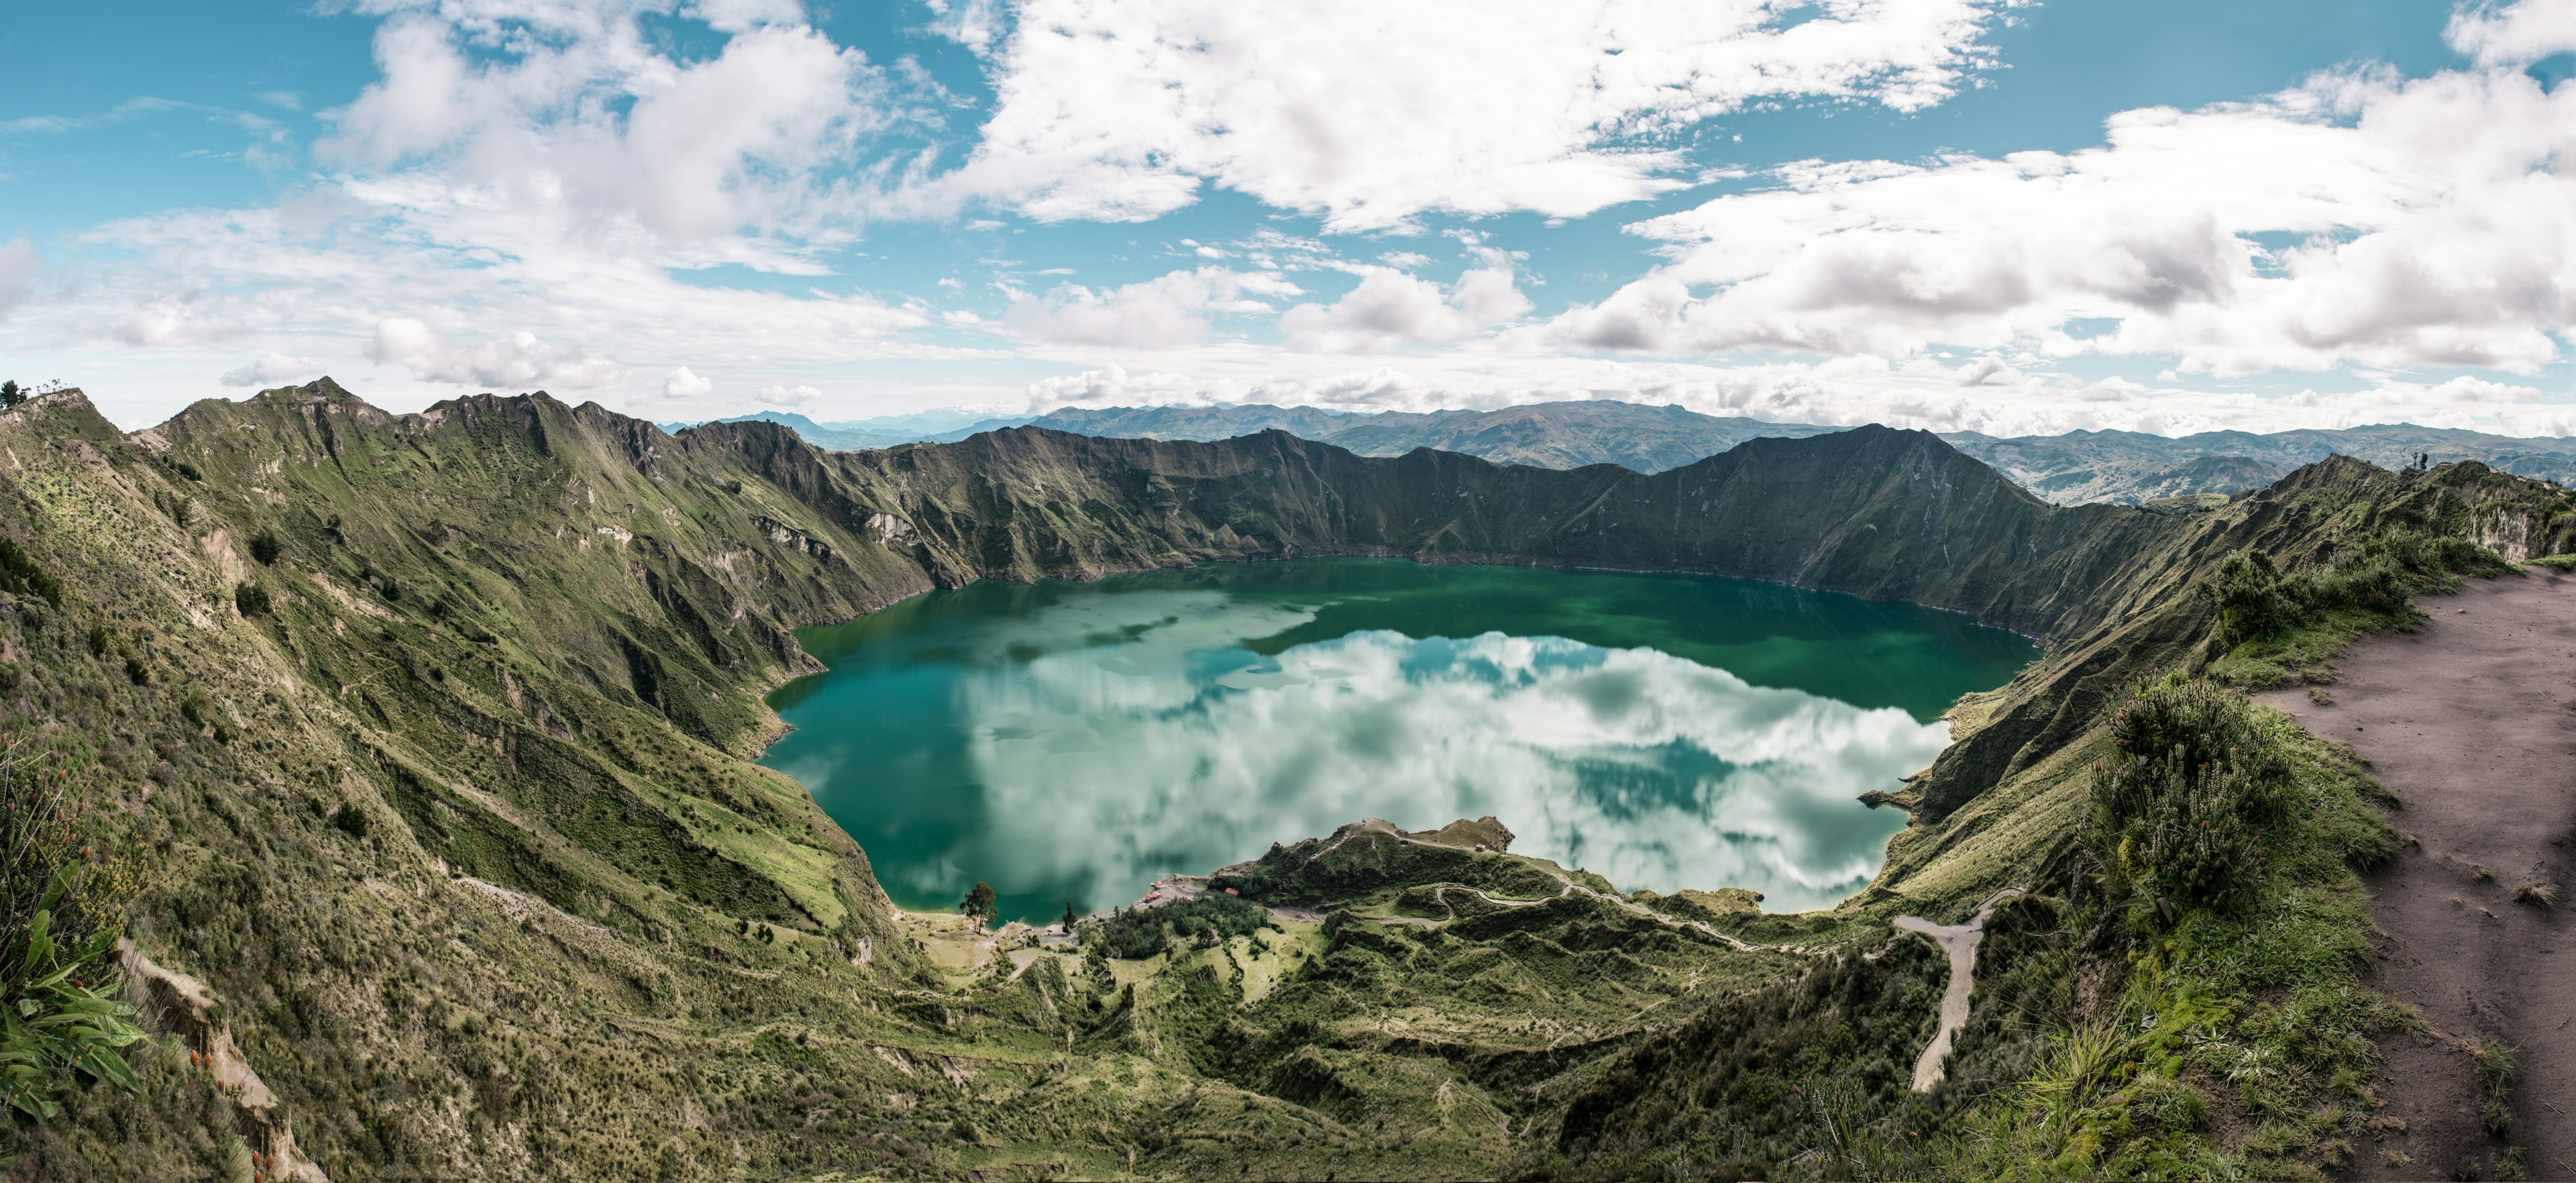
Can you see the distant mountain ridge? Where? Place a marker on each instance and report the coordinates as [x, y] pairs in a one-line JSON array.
[[2079, 467]]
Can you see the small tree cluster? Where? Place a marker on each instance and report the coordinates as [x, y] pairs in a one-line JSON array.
[[11, 394], [1204, 923]]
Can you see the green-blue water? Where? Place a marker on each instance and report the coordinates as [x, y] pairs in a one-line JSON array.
[[1071, 742]]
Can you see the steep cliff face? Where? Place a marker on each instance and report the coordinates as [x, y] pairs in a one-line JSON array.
[[1874, 512]]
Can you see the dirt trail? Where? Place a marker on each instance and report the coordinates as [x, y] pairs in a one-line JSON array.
[[2471, 721], [1960, 941]]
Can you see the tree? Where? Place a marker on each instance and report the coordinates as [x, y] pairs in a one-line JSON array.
[[264, 546], [1069, 918], [10, 395], [979, 903]]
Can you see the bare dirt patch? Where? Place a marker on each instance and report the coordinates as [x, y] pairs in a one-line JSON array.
[[2471, 722]]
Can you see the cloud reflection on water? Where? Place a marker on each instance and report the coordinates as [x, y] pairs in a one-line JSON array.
[[1156, 744]]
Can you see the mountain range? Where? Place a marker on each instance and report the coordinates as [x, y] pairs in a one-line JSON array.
[[420, 742], [2118, 467]]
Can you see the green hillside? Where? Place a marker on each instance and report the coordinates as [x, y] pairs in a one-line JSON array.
[[423, 737]]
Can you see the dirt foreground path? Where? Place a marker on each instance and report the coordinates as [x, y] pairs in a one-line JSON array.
[[2471, 722]]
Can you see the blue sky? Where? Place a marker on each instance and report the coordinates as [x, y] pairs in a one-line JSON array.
[[1986, 214]]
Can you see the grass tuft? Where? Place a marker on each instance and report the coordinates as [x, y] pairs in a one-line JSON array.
[[2535, 892], [2496, 1071]]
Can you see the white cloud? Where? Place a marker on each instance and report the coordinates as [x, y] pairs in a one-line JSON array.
[[683, 383], [975, 24], [517, 362], [1390, 308], [788, 396], [174, 320], [1168, 310], [271, 369], [1370, 113], [2429, 223], [2513, 34], [735, 16], [577, 107]]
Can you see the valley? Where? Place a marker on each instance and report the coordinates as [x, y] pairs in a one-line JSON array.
[[429, 735]]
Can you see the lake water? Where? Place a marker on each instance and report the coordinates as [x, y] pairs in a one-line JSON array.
[[1071, 742]]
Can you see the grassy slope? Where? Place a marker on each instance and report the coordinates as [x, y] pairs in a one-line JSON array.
[[526, 641]]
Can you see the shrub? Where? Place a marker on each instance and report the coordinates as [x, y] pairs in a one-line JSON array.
[[137, 672], [349, 821], [60, 912], [20, 574], [265, 547], [2537, 893], [250, 599], [2256, 600], [2179, 805], [97, 637]]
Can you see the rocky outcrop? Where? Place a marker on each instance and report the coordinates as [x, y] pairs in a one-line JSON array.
[[172, 1003]]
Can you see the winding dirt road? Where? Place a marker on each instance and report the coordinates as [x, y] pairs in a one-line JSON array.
[[2471, 721]]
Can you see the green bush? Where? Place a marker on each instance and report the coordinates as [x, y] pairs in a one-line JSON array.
[[349, 821], [251, 599], [20, 574], [265, 547], [2180, 805], [2255, 600]]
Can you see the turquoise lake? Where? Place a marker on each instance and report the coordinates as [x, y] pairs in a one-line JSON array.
[[1071, 742]]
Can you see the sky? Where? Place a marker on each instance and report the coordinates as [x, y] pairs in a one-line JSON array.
[[2006, 216]]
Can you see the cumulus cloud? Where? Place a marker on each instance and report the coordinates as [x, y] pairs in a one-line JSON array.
[[1169, 310], [578, 105], [2513, 34], [517, 362], [684, 383], [1370, 113], [1390, 308], [271, 369], [788, 396], [2427, 222]]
